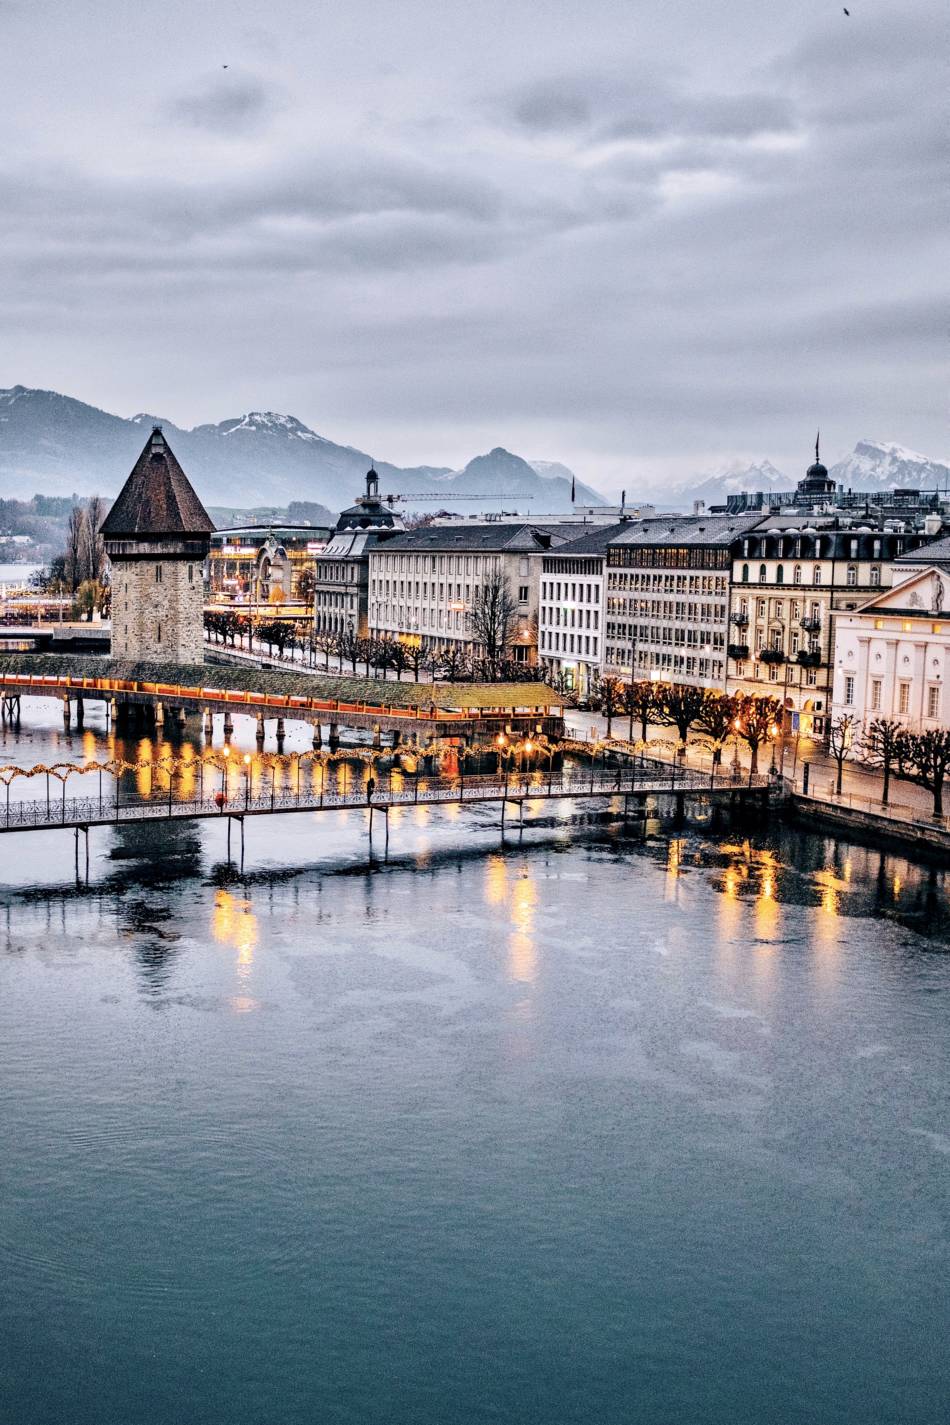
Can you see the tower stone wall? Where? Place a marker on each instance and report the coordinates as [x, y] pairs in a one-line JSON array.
[[157, 609]]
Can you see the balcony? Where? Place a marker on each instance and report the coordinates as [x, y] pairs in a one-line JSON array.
[[740, 620], [811, 624], [738, 651]]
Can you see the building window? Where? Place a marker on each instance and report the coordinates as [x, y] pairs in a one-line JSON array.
[[158, 573], [849, 692], [522, 593], [852, 575], [933, 701], [875, 695], [780, 574], [745, 574], [797, 574], [903, 698], [816, 576], [875, 575], [191, 573], [762, 573]]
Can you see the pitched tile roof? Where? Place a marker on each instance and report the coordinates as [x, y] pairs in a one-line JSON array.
[[157, 498]]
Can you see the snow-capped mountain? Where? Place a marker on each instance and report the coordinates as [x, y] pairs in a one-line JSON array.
[[729, 479], [57, 445], [879, 465]]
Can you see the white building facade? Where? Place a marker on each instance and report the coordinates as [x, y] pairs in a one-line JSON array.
[[571, 612], [892, 656]]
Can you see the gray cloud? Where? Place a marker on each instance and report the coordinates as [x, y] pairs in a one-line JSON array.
[[454, 236], [227, 103]]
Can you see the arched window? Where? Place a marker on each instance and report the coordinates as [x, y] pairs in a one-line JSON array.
[[762, 573], [797, 574], [875, 574], [745, 574], [816, 577], [852, 575], [780, 574]]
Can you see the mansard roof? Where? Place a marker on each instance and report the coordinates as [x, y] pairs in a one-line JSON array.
[[157, 498]]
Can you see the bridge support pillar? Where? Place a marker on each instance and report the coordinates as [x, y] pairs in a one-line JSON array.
[[228, 723], [66, 712], [334, 736], [317, 735], [181, 717], [80, 712], [207, 723], [395, 738], [159, 715], [377, 735], [260, 727], [280, 733], [113, 707]]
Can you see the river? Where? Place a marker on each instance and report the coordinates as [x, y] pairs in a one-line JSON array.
[[585, 1127]]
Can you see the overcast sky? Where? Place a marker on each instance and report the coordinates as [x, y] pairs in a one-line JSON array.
[[640, 237]]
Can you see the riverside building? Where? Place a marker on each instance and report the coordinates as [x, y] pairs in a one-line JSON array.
[[892, 655], [571, 609], [791, 580], [423, 582], [667, 598], [341, 592], [259, 564]]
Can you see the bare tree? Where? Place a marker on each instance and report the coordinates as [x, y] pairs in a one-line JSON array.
[[754, 721], [76, 544], [640, 700], [681, 705], [881, 749], [717, 717], [493, 618], [611, 693], [94, 549], [840, 738], [926, 757]]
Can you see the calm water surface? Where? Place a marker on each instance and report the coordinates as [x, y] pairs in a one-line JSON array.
[[585, 1129]]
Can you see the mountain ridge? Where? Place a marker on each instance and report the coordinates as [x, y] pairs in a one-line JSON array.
[[60, 445]]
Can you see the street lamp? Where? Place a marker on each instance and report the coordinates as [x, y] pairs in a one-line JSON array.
[[247, 779]]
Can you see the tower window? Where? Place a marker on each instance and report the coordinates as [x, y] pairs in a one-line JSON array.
[[158, 573], [191, 573], [159, 630]]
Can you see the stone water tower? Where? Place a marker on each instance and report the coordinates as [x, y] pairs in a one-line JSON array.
[[157, 536]]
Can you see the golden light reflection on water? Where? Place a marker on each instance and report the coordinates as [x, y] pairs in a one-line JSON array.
[[518, 890], [674, 859], [522, 946], [767, 912], [234, 924]]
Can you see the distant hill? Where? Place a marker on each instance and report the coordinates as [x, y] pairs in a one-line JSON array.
[[55, 444]]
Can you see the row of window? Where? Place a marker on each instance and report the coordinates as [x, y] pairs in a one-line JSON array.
[[668, 583], [668, 608], [555, 642], [817, 575], [441, 563], [572, 618], [552, 589], [901, 700]]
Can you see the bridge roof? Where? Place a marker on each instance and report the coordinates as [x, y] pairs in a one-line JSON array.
[[278, 682]]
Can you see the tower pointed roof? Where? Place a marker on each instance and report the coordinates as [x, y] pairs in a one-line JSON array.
[[157, 498]]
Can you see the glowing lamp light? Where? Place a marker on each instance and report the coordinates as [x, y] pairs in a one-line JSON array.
[[529, 747], [247, 759]]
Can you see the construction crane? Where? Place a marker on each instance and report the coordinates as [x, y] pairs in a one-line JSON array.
[[504, 495]]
